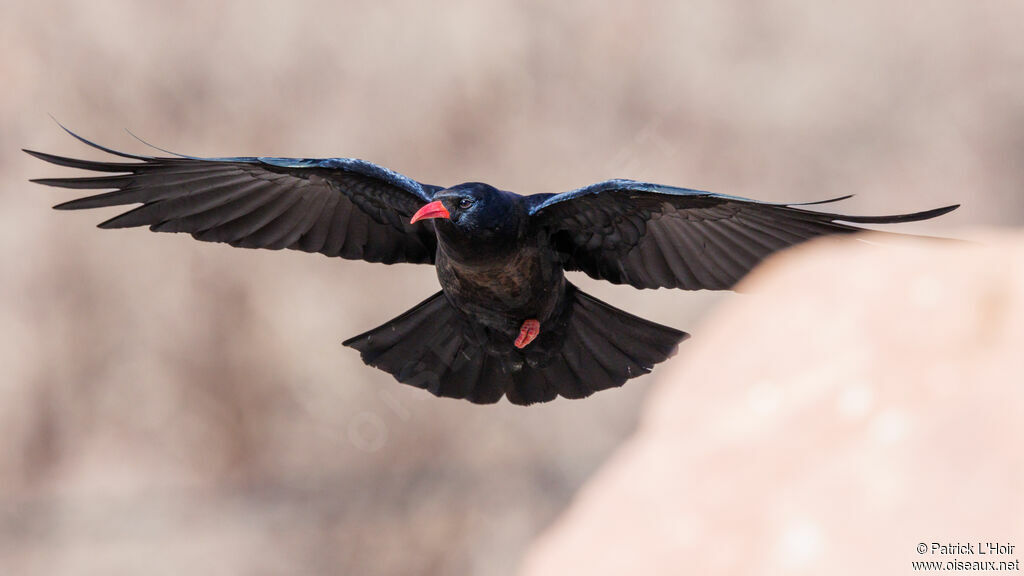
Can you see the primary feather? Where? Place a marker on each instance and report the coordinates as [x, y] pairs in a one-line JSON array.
[[335, 206], [652, 236]]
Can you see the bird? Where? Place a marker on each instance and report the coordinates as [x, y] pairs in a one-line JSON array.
[[506, 322]]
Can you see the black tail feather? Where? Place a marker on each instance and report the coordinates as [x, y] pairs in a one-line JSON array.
[[591, 347], [430, 347], [603, 347]]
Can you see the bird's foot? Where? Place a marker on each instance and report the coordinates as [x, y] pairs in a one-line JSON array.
[[529, 331]]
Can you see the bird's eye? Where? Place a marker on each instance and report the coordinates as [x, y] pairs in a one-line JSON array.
[[466, 203]]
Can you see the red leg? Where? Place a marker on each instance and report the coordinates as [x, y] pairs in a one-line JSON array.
[[529, 331]]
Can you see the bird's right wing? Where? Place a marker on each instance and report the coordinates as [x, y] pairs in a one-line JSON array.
[[335, 206]]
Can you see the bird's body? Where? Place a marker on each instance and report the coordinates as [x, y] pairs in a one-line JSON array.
[[507, 322], [502, 278], [521, 282]]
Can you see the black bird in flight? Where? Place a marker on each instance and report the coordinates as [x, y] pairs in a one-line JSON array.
[[506, 321]]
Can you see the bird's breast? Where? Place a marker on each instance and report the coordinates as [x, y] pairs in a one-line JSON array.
[[504, 291]]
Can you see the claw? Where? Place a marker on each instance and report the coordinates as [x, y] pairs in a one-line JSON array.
[[529, 331]]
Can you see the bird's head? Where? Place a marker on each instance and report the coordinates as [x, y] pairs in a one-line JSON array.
[[472, 211]]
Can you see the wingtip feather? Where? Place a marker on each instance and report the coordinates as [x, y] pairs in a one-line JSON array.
[[112, 224], [827, 201], [165, 151], [93, 165], [83, 203], [36, 154], [92, 144], [899, 218]]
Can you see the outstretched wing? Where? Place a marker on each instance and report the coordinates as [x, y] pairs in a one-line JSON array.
[[652, 236], [335, 206]]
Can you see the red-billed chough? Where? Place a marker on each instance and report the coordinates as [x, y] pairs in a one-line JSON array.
[[506, 321]]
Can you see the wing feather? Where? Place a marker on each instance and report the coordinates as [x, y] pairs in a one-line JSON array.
[[653, 236], [336, 206]]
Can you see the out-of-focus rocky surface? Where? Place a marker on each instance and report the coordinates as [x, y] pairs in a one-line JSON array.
[[861, 401], [167, 405]]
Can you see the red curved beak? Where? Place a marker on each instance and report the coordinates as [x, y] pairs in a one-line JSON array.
[[433, 210]]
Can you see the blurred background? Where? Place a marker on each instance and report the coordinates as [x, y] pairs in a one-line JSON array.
[[167, 405]]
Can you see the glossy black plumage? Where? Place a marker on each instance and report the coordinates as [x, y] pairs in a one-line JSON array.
[[338, 207], [591, 347], [500, 257], [652, 236]]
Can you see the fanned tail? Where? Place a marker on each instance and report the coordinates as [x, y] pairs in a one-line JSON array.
[[602, 347], [591, 346]]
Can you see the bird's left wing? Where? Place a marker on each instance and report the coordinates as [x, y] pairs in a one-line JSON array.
[[653, 236], [335, 206]]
